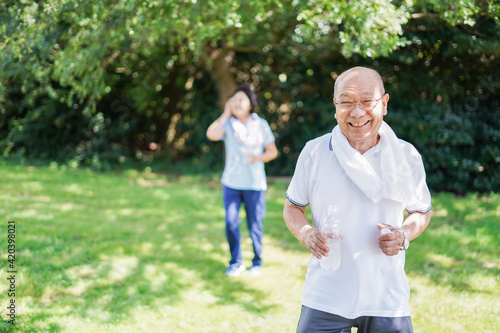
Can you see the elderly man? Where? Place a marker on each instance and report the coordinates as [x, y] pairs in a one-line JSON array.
[[369, 177]]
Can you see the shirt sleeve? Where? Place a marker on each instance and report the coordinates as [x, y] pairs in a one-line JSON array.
[[422, 191], [298, 190], [227, 129]]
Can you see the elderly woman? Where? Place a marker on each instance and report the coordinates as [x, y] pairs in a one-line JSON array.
[[249, 143]]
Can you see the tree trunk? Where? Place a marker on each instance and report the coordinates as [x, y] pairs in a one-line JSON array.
[[219, 70]]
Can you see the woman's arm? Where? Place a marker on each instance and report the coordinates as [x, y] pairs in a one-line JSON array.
[[215, 131], [269, 154]]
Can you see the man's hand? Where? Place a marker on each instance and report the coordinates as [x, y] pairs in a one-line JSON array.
[[312, 238], [315, 241], [391, 242]]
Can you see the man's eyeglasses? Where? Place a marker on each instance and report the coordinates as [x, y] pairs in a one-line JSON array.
[[366, 105]]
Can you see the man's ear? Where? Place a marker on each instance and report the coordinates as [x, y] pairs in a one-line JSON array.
[[385, 100]]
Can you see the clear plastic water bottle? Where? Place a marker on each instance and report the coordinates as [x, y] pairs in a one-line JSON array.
[[331, 228]]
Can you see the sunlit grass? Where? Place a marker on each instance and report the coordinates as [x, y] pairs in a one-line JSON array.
[[146, 252]]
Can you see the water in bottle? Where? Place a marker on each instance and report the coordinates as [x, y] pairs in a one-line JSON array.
[[331, 228]]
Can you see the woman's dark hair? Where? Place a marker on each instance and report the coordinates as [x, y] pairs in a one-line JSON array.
[[250, 94]]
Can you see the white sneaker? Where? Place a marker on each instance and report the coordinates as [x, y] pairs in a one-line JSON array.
[[234, 271], [255, 270]]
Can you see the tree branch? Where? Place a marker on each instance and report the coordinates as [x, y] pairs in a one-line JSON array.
[[421, 15]]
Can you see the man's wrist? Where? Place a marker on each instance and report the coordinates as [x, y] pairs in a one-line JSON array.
[[405, 244], [304, 234]]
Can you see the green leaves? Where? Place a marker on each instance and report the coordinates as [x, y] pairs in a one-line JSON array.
[[92, 80], [79, 44]]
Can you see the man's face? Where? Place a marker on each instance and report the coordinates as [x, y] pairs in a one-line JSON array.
[[360, 126]]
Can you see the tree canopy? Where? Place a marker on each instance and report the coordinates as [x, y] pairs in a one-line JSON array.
[[102, 82]]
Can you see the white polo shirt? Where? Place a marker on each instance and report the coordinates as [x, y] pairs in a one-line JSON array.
[[368, 283]]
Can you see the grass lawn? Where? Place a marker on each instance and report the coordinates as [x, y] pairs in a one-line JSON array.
[[146, 252]]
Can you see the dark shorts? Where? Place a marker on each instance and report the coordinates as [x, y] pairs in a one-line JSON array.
[[312, 321]]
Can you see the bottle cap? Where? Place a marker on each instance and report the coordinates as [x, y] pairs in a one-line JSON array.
[[385, 231]]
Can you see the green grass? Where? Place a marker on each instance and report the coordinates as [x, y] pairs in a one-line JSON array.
[[146, 252]]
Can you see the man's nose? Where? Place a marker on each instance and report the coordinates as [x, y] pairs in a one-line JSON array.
[[357, 112]]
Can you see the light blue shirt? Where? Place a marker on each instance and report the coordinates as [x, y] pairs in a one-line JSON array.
[[242, 140]]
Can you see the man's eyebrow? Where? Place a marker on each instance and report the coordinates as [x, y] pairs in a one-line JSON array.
[[365, 94], [345, 94], [369, 93]]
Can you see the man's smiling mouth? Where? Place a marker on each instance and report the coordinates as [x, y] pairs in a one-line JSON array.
[[359, 124]]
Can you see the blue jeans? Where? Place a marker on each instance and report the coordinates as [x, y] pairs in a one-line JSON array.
[[255, 208], [312, 321]]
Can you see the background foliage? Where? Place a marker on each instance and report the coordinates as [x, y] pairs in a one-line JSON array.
[[103, 83]]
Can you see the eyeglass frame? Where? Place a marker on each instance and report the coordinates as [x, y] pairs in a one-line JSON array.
[[355, 103]]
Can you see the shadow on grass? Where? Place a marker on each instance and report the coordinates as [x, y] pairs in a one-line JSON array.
[[108, 291], [274, 224], [460, 244], [99, 246], [117, 253]]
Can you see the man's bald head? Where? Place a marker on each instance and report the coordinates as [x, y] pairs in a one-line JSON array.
[[360, 72]]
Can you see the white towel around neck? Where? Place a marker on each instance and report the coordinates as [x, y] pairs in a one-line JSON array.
[[397, 182]]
